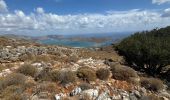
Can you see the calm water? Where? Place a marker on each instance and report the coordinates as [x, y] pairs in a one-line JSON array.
[[74, 43]]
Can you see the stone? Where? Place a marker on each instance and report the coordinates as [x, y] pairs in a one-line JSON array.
[[92, 93], [103, 96], [76, 91]]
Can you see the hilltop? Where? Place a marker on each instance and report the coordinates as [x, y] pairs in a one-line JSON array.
[[47, 72]]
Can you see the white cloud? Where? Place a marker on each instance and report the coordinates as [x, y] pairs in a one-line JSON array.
[[166, 13], [39, 22], [40, 10], [3, 6], [160, 1]]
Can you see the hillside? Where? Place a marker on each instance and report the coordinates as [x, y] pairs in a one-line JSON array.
[[32, 71]]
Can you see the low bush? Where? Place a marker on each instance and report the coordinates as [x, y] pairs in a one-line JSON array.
[[86, 73], [27, 69], [12, 79], [124, 73], [44, 75], [64, 77], [103, 73], [152, 84]]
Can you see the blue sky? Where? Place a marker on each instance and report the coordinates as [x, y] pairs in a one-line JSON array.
[[82, 16], [82, 6]]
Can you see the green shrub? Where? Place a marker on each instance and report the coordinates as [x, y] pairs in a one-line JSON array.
[[64, 77], [124, 73], [27, 70], [152, 84], [103, 73], [148, 51], [86, 73]]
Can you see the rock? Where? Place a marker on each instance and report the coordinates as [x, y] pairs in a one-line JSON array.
[[92, 93], [76, 91], [136, 93], [133, 97], [143, 91], [117, 97], [103, 96]]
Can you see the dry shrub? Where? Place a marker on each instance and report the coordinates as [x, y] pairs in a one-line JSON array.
[[13, 89], [64, 77], [27, 69], [103, 73], [85, 86], [152, 84], [14, 79], [124, 73], [47, 86], [72, 59], [86, 73], [44, 75]]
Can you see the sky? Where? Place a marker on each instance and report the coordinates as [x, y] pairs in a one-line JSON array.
[[42, 17]]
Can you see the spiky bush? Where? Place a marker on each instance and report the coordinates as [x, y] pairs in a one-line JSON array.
[[152, 84], [12, 79], [103, 73], [86, 73], [124, 73], [64, 77]]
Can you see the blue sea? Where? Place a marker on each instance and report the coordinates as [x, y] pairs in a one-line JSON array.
[[80, 44], [84, 44]]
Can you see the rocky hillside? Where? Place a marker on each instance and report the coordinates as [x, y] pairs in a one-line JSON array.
[[31, 71]]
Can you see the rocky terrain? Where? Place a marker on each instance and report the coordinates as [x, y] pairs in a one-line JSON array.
[[31, 71]]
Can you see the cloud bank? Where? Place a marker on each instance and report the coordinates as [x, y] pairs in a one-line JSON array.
[[160, 1], [40, 22]]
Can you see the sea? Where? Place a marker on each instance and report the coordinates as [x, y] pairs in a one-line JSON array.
[[85, 44]]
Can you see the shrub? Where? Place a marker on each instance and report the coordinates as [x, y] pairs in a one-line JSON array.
[[152, 84], [124, 73], [64, 77], [44, 75], [85, 86], [103, 73], [148, 51], [13, 79], [86, 73], [28, 70]]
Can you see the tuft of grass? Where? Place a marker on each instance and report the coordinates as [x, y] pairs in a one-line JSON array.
[[152, 84], [86, 73], [103, 74]]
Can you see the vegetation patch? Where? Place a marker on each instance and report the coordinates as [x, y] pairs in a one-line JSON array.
[[86, 73], [152, 84], [103, 73], [27, 69], [124, 73]]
